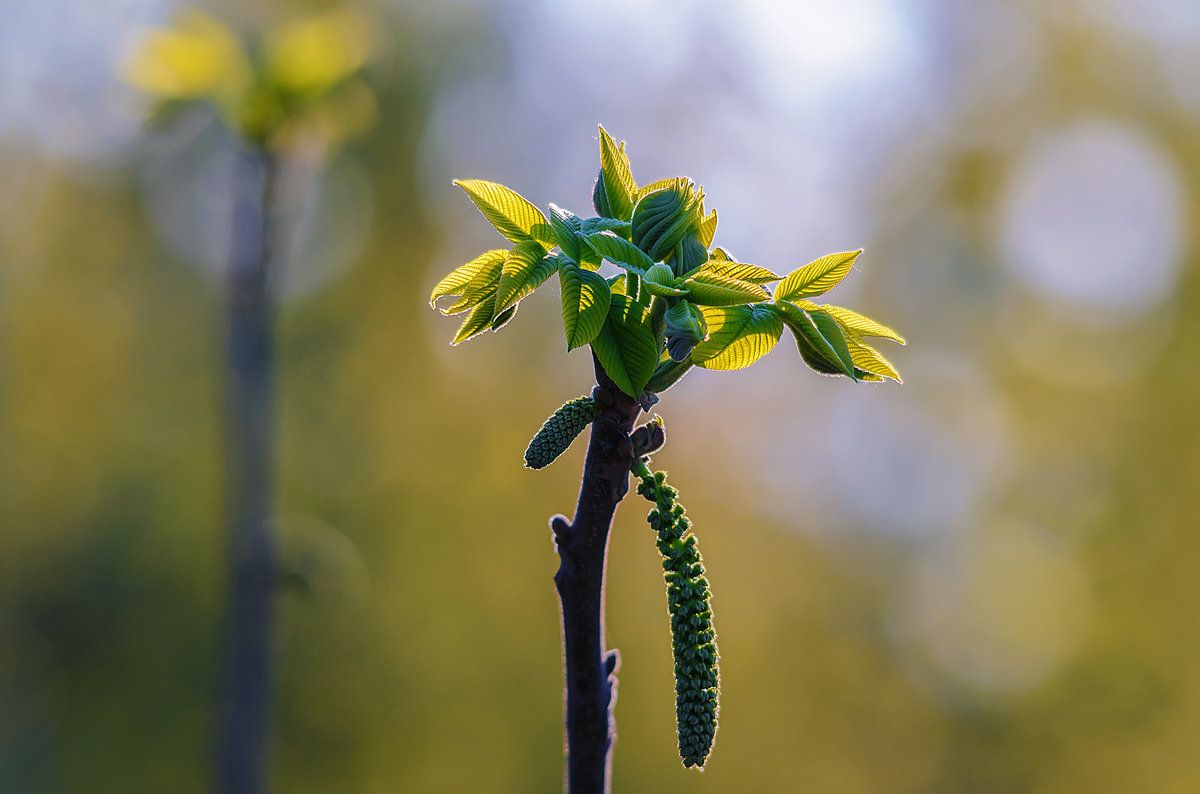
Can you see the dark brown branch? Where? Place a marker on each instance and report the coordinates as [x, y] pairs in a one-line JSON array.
[[243, 732], [582, 547]]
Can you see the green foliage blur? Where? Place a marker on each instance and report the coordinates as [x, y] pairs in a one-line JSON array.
[[1029, 624]]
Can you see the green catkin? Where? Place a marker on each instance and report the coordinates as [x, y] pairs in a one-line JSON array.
[[559, 431], [693, 639]]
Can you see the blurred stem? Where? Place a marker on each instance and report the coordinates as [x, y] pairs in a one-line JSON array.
[[582, 547], [250, 446]]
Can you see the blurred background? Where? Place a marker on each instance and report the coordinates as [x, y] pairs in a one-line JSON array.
[[980, 581]]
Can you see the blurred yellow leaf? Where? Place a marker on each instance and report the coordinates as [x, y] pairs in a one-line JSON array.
[[315, 52], [197, 57]]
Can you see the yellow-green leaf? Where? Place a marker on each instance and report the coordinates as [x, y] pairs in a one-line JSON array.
[[511, 214], [460, 277], [524, 270], [707, 288], [817, 277], [871, 360], [708, 229], [738, 270], [853, 321], [737, 336]]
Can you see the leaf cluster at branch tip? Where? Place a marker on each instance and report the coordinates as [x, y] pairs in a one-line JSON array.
[[677, 304]]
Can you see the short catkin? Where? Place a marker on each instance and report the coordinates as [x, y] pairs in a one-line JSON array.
[[559, 431], [693, 639]]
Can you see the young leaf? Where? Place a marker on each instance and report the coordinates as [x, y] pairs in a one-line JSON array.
[[591, 225], [713, 289], [660, 280], [511, 214], [871, 360], [620, 252], [708, 229], [567, 228], [618, 179], [461, 276], [737, 336], [526, 267], [852, 321], [483, 286], [585, 301], [626, 347], [816, 278], [740, 270], [653, 186], [478, 321], [504, 318], [819, 339]]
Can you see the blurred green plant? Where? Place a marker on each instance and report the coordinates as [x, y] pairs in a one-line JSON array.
[[299, 78], [293, 86], [677, 303]]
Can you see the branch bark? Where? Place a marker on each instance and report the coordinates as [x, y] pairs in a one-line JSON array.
[[582, 547], [243, 732]]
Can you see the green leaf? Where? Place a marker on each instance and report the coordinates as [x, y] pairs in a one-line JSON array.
[[617, 284], [617, 176], [625, 346], [585, 301], [460, 277], [739, 270], [708, 229], [478, 321], [526, 267], [852, 321], [620, 252], [511, 214], [713, 289], [567, 227], [737, 336], [819, 339], [871, 360], [816, 278]]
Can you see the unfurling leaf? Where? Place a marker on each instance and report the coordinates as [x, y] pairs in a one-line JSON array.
[[585, 301], [737, 336], [615, 182], [816, 278], [626, 347], [620, 252], [660, 280], [713, 289], [511, 214], [524, 270], [557, 432]]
